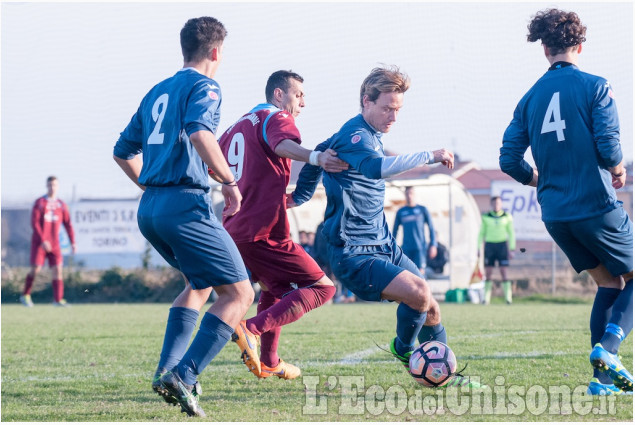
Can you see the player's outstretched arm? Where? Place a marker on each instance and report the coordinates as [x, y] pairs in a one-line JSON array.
[[207, 147], [132, 168], [445, 157], [393, 165], [327, 159]]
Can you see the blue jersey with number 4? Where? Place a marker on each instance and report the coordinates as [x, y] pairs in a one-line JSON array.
[[174, 109], [569, 119]]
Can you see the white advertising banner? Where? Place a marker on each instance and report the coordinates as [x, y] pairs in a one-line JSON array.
[[106, 227], [521, 202]]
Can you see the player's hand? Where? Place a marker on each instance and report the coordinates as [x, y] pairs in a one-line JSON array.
[[432, 251], [289, 201], [46, 246], [73, 248], [618, 182], [445, 157], [233, 198], [329, 161], [512, 254], [534, 179]]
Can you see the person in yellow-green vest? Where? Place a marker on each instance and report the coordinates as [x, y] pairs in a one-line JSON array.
[[497, 230]]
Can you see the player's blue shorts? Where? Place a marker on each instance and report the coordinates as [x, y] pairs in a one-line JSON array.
[[180, 225], [417, 256], [367, 270], [606, 239]]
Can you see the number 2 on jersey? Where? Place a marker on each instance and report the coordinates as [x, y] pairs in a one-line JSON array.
[[156, 138], [236, 154], [558, 124]]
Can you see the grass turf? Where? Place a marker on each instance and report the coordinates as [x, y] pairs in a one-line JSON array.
[[94, 362]]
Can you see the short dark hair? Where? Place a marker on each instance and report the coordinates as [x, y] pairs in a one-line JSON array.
[[493, 198], [557, 29], [50, 178], [280, 80], [200, 36]]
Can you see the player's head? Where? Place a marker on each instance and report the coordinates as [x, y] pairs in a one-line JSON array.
[[381, 96], [559, 31], [284, 89], [51, 186], [201, 39], [496, 203], [410, 195]]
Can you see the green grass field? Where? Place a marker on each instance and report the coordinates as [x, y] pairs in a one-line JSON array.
[[94, 362]]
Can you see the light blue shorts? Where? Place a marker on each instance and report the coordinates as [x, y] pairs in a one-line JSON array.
[[180, 225]]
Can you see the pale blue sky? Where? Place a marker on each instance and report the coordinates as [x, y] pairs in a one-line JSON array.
[[73, 74]]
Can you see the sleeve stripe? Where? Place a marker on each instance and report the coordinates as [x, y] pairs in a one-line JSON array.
[[264, 127]]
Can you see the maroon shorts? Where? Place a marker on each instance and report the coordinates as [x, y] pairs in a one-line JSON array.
[[280, 267], [38, 255]]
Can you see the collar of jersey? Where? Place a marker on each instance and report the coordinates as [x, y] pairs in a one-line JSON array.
[[560, 65], [496, 214], [190, 68], [268, 106], [372, 129]]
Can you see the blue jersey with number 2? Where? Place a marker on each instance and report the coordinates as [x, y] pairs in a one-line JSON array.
[[174, 109]]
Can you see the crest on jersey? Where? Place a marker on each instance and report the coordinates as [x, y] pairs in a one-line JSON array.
[[212, 94], [356, 138]]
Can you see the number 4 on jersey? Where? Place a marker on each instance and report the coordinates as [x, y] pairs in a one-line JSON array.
[[557, 125]]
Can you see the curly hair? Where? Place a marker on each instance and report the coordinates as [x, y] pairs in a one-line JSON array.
[[558, 30], [384, 79]]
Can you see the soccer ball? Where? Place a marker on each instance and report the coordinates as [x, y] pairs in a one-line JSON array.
[[432, 363]]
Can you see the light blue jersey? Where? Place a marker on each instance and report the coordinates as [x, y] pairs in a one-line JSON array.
[[413, 220], [569, 119], [355, 212], [173, 109], [175, 213]]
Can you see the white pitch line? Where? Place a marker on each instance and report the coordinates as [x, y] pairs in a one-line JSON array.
[[361, 356]]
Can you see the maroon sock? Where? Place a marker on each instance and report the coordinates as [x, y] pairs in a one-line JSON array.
[[269, 340], [28, 284], [290, 308], [58, 289]]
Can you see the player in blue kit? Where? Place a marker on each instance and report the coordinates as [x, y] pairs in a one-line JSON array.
[[413, 218], [174, 128], [569, 119], [362, 252]]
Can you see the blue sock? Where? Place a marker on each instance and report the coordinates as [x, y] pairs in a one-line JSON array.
[[600, 315], [409, 322], [621, 322], [433, 333], [211, 337], [178, 331]]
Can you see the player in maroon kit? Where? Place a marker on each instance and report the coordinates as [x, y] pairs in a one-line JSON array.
[[48, 214], [259, 148]]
